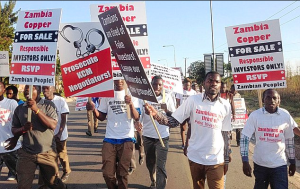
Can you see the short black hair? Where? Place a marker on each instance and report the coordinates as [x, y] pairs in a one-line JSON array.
[[157, 77], [186, 80], [13, 88], [267, 90], [211, 73]]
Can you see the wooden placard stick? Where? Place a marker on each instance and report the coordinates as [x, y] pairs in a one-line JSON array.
[[90, 112], [29, 109], [127, 106], [164, 96], [156, 129]]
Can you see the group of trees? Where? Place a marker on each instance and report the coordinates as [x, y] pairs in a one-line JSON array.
[[7, 19], [197, 71]]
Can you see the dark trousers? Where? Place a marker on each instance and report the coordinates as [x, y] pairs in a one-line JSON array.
[[238, 135], [276, 177], [47, 163], [156, 159], [10, 160]]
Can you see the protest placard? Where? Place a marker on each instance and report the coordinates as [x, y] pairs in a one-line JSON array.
[[34, 49], [4, 63], [81, 103], [125, 53], [85, 60], [241, 115], [256, 55], [135, 20], [171, 77]]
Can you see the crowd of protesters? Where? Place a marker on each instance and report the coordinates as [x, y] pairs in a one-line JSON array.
[[42, 141]]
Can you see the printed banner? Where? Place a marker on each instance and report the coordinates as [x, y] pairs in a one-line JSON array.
[[241, 115], [171, 77], [256, 55], [85, 60], [135, 20], [4, 64], [125, 53], [34, 49]]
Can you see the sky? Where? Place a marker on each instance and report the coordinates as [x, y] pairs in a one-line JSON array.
[[186, 25]]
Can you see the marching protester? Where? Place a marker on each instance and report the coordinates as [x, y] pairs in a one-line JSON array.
[[10, 157], [208, 149], [195, 87], [91, 117], [139, 146], [273, 127], [61, 130], [119, 137], [156, 155], [12, 93], [180, 98], [38, 145]]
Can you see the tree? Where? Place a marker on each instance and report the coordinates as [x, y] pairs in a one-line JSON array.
[[7, 19], [197, 71], [227, 69]]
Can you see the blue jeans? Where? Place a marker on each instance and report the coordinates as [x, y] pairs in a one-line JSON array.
[[156, 158], [276, 177]]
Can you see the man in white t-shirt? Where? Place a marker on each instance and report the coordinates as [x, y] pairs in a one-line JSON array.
[[156, 155], [7, 108], [209, 141], [119, 137], [61, 130], [180, 98], [273, 128]]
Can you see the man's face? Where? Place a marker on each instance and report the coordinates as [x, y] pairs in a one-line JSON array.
[[119, 84], [187, 86], [271, 101], [48, 91], [157, 85], [223, 88], [35, 92], [10, 94], [212, 84]]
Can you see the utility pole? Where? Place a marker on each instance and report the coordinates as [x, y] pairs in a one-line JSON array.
[[212, 38], [185, 66]]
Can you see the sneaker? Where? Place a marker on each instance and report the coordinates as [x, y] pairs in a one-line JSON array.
[[65, 177], [88, 133], [11, 178], [141, 160], [152, 186], [95, 131], [130, 170], [182, 147]]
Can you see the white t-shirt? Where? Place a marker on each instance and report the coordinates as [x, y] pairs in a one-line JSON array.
[[7, 108], [62, 108], [118, 125], [148, 128], [185, 95], [271, 130], [208, 119]]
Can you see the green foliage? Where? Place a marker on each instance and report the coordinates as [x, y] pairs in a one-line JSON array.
[[7, 19], [197, 71]]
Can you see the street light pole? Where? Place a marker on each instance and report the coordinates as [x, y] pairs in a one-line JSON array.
[[212, 37], [185, 66], [174, 52]]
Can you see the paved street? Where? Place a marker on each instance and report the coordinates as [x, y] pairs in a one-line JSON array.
[[85, 157]]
